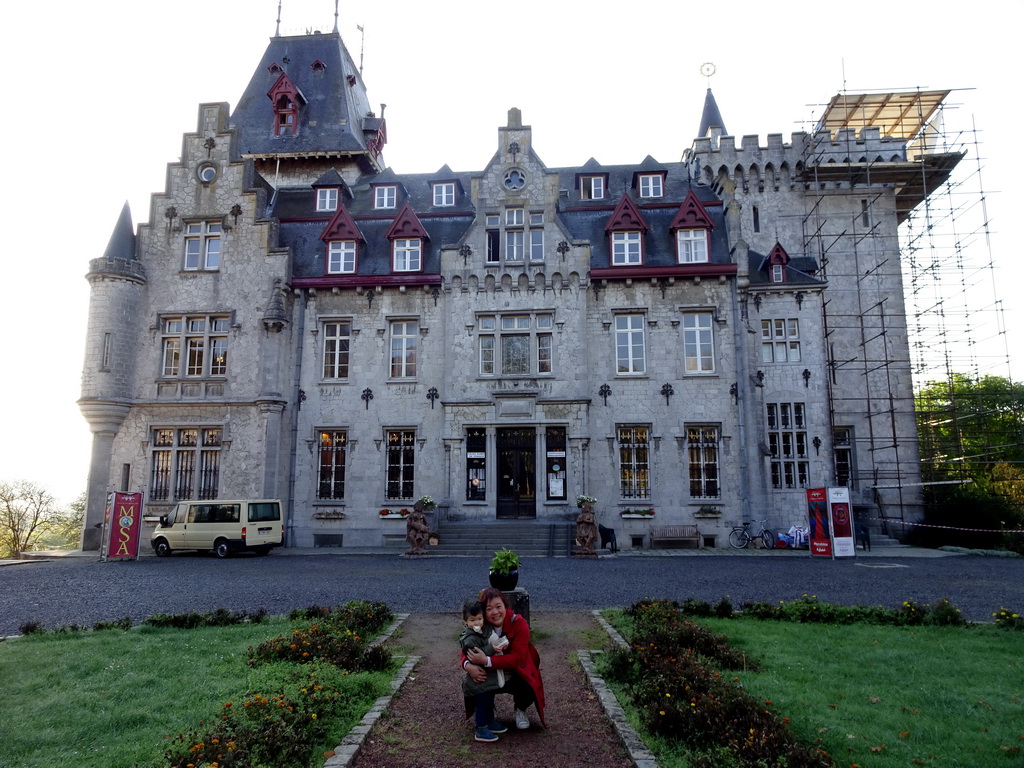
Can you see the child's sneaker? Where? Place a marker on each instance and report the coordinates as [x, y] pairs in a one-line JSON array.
[[497, 726], [483, 734], [522, 721]]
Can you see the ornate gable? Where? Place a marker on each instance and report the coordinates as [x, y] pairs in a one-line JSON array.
[[341, 227], [778, 256], [691, 215], [626, 218], [405, 225]]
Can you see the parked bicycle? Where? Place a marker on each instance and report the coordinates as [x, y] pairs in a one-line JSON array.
[[740, 537]]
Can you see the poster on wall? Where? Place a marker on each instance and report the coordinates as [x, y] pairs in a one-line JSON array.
[[842, 522], [817, 519], [123, 527]]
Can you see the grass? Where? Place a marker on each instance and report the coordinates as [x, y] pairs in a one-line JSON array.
[[886, 696], [111, 698]]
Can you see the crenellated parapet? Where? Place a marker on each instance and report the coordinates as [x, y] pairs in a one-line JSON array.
[[715, 158], [124, 269]]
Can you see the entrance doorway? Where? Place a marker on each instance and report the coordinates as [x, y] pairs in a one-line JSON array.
[[517, 473]]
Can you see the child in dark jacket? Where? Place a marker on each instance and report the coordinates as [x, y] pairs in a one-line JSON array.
[[477, 634]]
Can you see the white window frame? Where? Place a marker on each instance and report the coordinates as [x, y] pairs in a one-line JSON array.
[[407, 254], [341, 257], [514, 245], [627, 249], [444, 194], [780, 340], [515, 217], [494, 340], [194, 346], [202, 246], [592, 188], [404, 348], [337, 335], [692, 246], [651, 185], [630, 345], [698, 342], [327, 199], [704, 461], [536, 245], [385, 196], [778, 273]]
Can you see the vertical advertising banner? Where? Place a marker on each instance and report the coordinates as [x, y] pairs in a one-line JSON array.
[[817, 518], [124, 526], [842, 522]]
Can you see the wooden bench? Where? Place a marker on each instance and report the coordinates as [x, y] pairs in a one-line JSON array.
[[673, 533]]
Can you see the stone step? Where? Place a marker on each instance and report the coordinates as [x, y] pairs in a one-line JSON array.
[[526, 538]]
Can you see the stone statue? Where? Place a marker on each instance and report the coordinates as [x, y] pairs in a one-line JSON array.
[[417, 529], [586, 530]]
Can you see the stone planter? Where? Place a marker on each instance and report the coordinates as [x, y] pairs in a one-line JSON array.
[[632, 516], [392, 516]]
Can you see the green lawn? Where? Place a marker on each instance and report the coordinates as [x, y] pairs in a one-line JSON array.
[[109, 699]]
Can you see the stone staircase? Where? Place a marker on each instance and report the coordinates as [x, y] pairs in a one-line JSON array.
[[527, 538]]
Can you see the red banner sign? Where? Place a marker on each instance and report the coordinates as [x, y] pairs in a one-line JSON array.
[[817, 517], [124, 523]]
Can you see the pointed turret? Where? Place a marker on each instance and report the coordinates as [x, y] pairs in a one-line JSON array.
[[122, 239], [711, 119]]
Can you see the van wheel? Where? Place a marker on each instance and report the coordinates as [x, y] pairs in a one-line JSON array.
[[221, 548], [162, 548]]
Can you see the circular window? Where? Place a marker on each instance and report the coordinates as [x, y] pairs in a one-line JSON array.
[[206, 172], [515, 179]]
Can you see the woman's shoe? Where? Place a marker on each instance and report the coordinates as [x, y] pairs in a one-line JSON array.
[[522, 721], [483, 734]]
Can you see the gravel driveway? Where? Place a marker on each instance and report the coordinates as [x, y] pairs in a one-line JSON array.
[[82, 590]]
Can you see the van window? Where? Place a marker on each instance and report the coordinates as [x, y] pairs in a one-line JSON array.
[[263, 511], [214, 513]]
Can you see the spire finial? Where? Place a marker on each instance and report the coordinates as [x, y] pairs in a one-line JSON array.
[[335, 16], [707, 69], [277, 31]]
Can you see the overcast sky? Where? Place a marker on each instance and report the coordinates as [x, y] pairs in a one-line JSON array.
[[101, 92]]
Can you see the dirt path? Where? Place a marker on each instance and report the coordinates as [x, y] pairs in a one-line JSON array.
[[425, 728]]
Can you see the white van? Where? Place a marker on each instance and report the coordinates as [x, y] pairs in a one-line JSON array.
[[222, 526]]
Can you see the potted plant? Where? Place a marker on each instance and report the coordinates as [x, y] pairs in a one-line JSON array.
[[427, 502], [584, 499], [504, 573]]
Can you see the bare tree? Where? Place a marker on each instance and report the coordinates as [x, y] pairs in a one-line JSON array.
[[27, 510]]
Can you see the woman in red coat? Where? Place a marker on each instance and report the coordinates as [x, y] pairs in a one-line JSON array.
[[521, 657]]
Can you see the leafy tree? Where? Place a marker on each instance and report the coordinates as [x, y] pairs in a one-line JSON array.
[[971, 436], [27, 511]]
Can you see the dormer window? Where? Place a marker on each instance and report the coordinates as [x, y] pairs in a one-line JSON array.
[[778, 259], [406, 255], [626, 229], [341, 257], [778, 273], [627, 248], [692, 246], [318, 66], [287, 112], [385, 197], [444, 193], [327, 199], [591, 187], [651, 185]]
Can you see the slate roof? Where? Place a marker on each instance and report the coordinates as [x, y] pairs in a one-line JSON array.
[[800, 270], [336, 114], [122, 240]]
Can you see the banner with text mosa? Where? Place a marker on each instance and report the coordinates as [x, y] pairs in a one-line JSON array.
[[820, 534], [124, 526], [842, 522]]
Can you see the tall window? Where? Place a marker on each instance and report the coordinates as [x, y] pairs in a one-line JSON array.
[[327, 199], [331, 478], [650, 185], [634, 462], [514, 244], [698, 343], [536, 238], [384, 197], [202, 245], [692, 246], [787, 441], [702, 447], [630, 356], [493, 221], [476, 464], [555, 463], [401, 463], [404, 340], [842, 453], [337, 337], [780, 341], [515, 345], [185, 463], [195, 347], [287, 112], [626, 248], [406, 254], [444, 194], [341, 257]]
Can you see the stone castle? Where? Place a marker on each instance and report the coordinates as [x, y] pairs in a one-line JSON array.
[[706, 338]]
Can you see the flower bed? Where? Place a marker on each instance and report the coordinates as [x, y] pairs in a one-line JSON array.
[[640, 512]]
